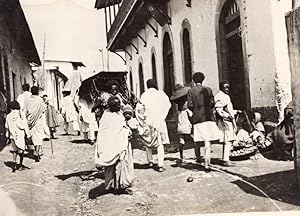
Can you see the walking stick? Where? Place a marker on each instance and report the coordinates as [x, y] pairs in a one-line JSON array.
[[51, 145]]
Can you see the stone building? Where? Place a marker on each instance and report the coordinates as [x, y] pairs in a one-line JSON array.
[[17, 49], [57, 72], [225, 39], [17, 54]]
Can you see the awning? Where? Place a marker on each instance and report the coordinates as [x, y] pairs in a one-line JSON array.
[[106, 3], [59, 74]]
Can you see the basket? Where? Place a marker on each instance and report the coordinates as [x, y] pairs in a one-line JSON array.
[[248, 152]]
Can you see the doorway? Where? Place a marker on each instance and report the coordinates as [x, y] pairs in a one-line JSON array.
[[232, 57]]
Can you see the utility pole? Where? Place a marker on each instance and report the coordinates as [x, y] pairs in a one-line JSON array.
[[43, 74], [101, 50], [107, 60]]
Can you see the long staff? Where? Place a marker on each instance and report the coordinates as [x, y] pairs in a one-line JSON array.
[[51, 145]]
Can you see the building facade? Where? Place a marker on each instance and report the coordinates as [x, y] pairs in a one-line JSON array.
[[17, 55], [54, 85], [17, 50], [56, 73], [225, 39]]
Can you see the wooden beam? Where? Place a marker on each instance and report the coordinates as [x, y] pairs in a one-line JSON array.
[[126, 51], [153, 28], [121, 56], [145, 42], [135, 47], [158, 14]]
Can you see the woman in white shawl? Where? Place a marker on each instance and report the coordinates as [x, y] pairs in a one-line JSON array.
[[113, 149]]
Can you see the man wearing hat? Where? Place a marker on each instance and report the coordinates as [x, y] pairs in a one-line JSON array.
[[201, 103], [184, 126]]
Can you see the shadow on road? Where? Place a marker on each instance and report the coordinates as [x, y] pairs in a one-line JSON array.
[[10, 165], [97, 191], [279, 186], [84, 175], [2, 143], [141, 166], [80, 141]]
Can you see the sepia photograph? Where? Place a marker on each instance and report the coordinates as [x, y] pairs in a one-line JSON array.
[[149, 107]]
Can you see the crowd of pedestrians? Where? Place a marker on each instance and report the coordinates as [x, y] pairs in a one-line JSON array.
[[201, 115]]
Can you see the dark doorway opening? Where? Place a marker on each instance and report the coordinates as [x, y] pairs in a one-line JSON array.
[[187, 58], [169, 80], [141, 79], [232, 58], [153, 63]]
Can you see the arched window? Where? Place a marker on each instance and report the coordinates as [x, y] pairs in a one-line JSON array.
[[130, 79], [169, 80], [153, 62], [141, 78], [187, 59]]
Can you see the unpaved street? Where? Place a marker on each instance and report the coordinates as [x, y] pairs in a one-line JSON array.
[[67, 183]]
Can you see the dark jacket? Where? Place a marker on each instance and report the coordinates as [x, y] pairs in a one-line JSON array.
[[201, 102]]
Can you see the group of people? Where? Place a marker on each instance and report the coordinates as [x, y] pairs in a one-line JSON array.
[[120, 124], [206, 117], [201, 115], [27, 122]]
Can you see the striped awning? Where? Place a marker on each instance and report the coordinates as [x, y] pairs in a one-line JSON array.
[[106, 3]]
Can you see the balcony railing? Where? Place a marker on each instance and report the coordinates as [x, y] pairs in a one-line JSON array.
[[125, 9]]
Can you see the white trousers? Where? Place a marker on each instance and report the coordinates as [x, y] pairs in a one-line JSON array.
[[160, 155], [75, 126], [89, 135], [226, 150]]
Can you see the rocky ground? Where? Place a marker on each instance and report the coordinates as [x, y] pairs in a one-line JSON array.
[[67, 183]]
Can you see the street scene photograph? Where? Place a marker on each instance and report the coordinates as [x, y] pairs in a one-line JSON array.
[[149, 107]]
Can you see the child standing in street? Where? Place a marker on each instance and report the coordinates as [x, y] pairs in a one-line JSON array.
[[131, 122], [16, 128], [184, 126]]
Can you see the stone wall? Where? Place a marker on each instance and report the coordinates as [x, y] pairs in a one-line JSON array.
[[18, 68], [293, 30]]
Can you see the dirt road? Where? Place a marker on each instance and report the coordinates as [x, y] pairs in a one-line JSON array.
[[67, 183]]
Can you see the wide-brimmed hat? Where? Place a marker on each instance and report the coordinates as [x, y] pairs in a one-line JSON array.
[[179, 91]]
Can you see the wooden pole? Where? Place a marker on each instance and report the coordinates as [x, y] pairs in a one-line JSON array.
[[43, 77]]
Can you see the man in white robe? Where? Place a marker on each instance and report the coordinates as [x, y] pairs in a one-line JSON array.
[[225, 120], [157, 106], [88, 120], [35, 115], [69, 113], [22, 99]]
